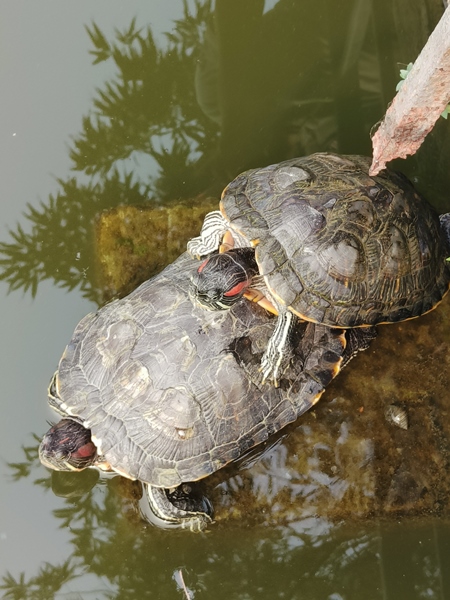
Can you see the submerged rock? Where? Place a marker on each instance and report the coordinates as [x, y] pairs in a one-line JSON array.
[[342, 460]]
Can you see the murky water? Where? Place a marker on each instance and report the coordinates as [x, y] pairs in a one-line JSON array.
[[162, 118]]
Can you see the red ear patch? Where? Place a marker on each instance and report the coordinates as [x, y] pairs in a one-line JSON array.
[[88, 449], [202, 266], [237, 289]]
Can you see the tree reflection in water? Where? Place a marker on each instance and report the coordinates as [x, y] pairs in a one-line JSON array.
[[304, 556], [236, 91], [232, 89], [148, 112]]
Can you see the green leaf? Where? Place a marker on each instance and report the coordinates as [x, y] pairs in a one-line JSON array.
[[403, 76], [404, 72]]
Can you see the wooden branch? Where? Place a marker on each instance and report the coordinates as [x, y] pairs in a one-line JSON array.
[[419, 102]]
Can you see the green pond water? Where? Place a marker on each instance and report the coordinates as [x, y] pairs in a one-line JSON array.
[[155, 102]]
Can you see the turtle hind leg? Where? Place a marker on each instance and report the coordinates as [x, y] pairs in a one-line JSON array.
[[358, 339], [213, 228], [279, 349], [183, 508]]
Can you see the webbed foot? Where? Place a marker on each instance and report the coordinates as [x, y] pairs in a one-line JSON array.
[[213, 228]]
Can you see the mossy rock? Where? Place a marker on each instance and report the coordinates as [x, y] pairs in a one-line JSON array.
[[342, 460], [134, 243]]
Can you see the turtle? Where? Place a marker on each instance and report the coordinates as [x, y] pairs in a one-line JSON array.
[[156, 389], [319, 239]]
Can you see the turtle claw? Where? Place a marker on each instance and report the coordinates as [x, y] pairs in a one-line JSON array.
[[273, 364], [197, 249], [270, 371], [267, 377]]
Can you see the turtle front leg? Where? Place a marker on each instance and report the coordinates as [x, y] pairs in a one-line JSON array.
[[213, 229], [279, 350]]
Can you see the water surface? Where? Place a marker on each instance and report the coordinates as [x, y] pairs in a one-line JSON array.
[[234, 86]]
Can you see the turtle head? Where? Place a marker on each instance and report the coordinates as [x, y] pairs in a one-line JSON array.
[[222, 279], [67, 446]]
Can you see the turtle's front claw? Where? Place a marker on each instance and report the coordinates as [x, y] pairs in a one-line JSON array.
[[194, 248], [272, 367], [270, 372]]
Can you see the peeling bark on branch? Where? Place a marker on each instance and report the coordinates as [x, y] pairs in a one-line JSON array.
[[421, 99]]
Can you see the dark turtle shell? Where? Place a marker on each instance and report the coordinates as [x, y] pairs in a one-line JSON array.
[[172, 392], [337, 246]]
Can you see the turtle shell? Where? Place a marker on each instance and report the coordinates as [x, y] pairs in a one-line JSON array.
[[337, 246], [171, 392]]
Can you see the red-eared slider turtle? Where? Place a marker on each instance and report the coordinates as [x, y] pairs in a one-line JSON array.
[[319, 238], [159, 390]]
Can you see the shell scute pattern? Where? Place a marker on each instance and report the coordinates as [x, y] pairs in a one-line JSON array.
[[335, 237], [131, 383], [342, 256], [295, 224], [395, 255], [287, 277], [118, 339], [286, 176], [270, 257], [167, 403], [244, 216], [361, 218]]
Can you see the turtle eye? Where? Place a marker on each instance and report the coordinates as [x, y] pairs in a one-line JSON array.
[[213, 294]]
